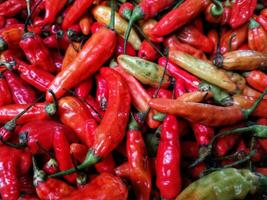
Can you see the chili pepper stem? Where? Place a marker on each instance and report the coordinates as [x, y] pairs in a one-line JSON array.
[[253, 24], [90, 159], [159, 116], [112, 17], [217, 8], [262, 180], [52, 108], [133, 125], [39, 175], [3, 44]]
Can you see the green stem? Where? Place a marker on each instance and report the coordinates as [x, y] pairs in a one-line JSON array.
[[3, 44], [178, 4], [133, 125], [112, 15], [217, 8], [247, 158], [38, 175], [159, 116], [253, 24]]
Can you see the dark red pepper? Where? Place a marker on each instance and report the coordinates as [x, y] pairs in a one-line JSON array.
[[83, 89], [257, 37], [119, 47], [101, 92], [107, 165], [94, 108], [256, 79], [203, 134], [5, 97], [147, 51], [11, 8]]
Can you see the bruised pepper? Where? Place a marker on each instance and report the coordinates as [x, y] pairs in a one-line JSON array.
[[111, 130]]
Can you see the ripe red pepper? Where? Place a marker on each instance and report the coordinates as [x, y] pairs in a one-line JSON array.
[[198, 24], [263, 21], [36, 52], [26, 185], [11, 8], [203, 134], [110, 132], [257, 37], [119, 47], [222, 18], [242, 11], [179, 88], [85, 24], [52, 8], [189, 149], [256, 79], [51, 166], [75, 12], [2, 21], [94, 108], [168, 177], [5, 97], [96, 26], [83, 89], [225, 144], [147, 27], [56, 42], [78, 151], [196, 171], [161, 93], [21, 92], [74, 114], [10, 36], [107, 165], [104, 186], [147, 51], [189, 34], [179, 16], [126, 10], [93, 54], [213, 37], [101, 92], [140, 174], [123, 171]]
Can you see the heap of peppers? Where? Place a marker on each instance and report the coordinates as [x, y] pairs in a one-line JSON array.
[[141, 99]]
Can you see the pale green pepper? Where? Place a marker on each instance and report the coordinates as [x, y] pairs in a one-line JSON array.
[[225, 184]]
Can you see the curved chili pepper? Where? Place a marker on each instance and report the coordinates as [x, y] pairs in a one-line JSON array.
[[51, 166], [244, 60], [173, 43], [224, 178], [222, 14], [52, 8], [147, 27], [26, 184], [206, 114], [213, 37], [126, 10], [196, 171], [101, 92], [179, 16], [73, 113], [242, 11], [10, 36], [111, 130], [147, 51], [70, 54], [140, 174], [257, 37], [104, 186], [49, 188], [11, 8], [123, 171], [75, 12], [119, 47], [85, 24], [189, 34], [55, 41], [5, 97], [83, 89], [107, 165], [94, 108], [256, 79], [168, 177], [36, 52], [78, 151], [225, 144], [100, 45], [161, 93], [203, 134], [21, 92]]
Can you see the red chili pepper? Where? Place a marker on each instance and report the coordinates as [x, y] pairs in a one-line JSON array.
[[104, 186], [189, 149], [96, 26], [221, 15], [203, 134], [126, 10], [198, 24], [196, 171], [242, 11], [85, 24], [10, 36], [263, 21], [93, 54], [161, 93], [168, 177], [78, 151], [257, 37], [179, 16], [21, 92], [5, 97], [111, 130], [147, 27], [263, 142], [51, 166], [26, 184], [213, 37], [244, 47], [123, 171], [83, 89], [74, 114], [119, 47], [56, 42], [2, 21], [75, 12], [52, 8], [11, 8], [191, 82], [94, 108], [107, 165], [36, 52], [147, 51], [11, 21], [101, 92], [70, 54], [179, 88], [256, 79], [262, 170], [173, 42], [189, 34], [140, 174]]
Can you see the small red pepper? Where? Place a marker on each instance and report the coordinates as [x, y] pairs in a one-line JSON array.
[[123, 171], [147, 51], [161, 93], [198, 24], [168, 177], [107, 165], [203, 134], [85, 24], [242, 11], [83, 89], [51, 166], [5, 97], [263, 21], [256, 79], [94, 108], [101, 92], [2, 21], [11, 8], [119, 47], [196, 171], [10, 36], [179, 88], [213, 37], [96, 26], [78, 151], [257, 37], [52, 8], [147, 27], [126, 10]]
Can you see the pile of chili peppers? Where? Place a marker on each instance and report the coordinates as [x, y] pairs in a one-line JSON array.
[[140, 99]]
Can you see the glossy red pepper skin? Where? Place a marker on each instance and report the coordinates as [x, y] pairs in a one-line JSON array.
[[94, 108], [105, 186], [96, 26], [147, 51], [11, 36], [213, 36], [100, 45], [74, 114], [101, 92], [125, 10], [147, 27], [36, 52], [21, 92], [203, 134], [225, 144], [257, 37], [78, 151], [83, 89], [85, 24], [179, 16], [5, 97], [123, 171], [75, 12], [242, 10], [107, 165], [119, 47], [196, 171], [189, 149], [173, 42], [2, 21], [189, 34], [54, 42], [26, 184], [140, 174], [179, 88], [263, 21], [222, 19], [162, 93], [257, 79], [52, 8], [198, 24], [168, 177], [11, 8]]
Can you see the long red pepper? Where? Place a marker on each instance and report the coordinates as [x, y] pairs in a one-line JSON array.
[[147, 51], [263, 21], [94, 108], [257, 37], [140, 174], [21, 92], [256, 79], [75, 12], [11, 8], [85, 24], [111, 130], [119, 47], [83, 89], [179, 16], [101, 92], [52, 7], [203, 134], [5, 97], [168, 177], [10, 36], [107, 165]]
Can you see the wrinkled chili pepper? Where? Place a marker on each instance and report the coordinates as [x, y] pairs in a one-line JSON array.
[[257, 37], [221, 17], [10, 36], [203, 134], [256, 79], [101, 92], [168, 177]]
